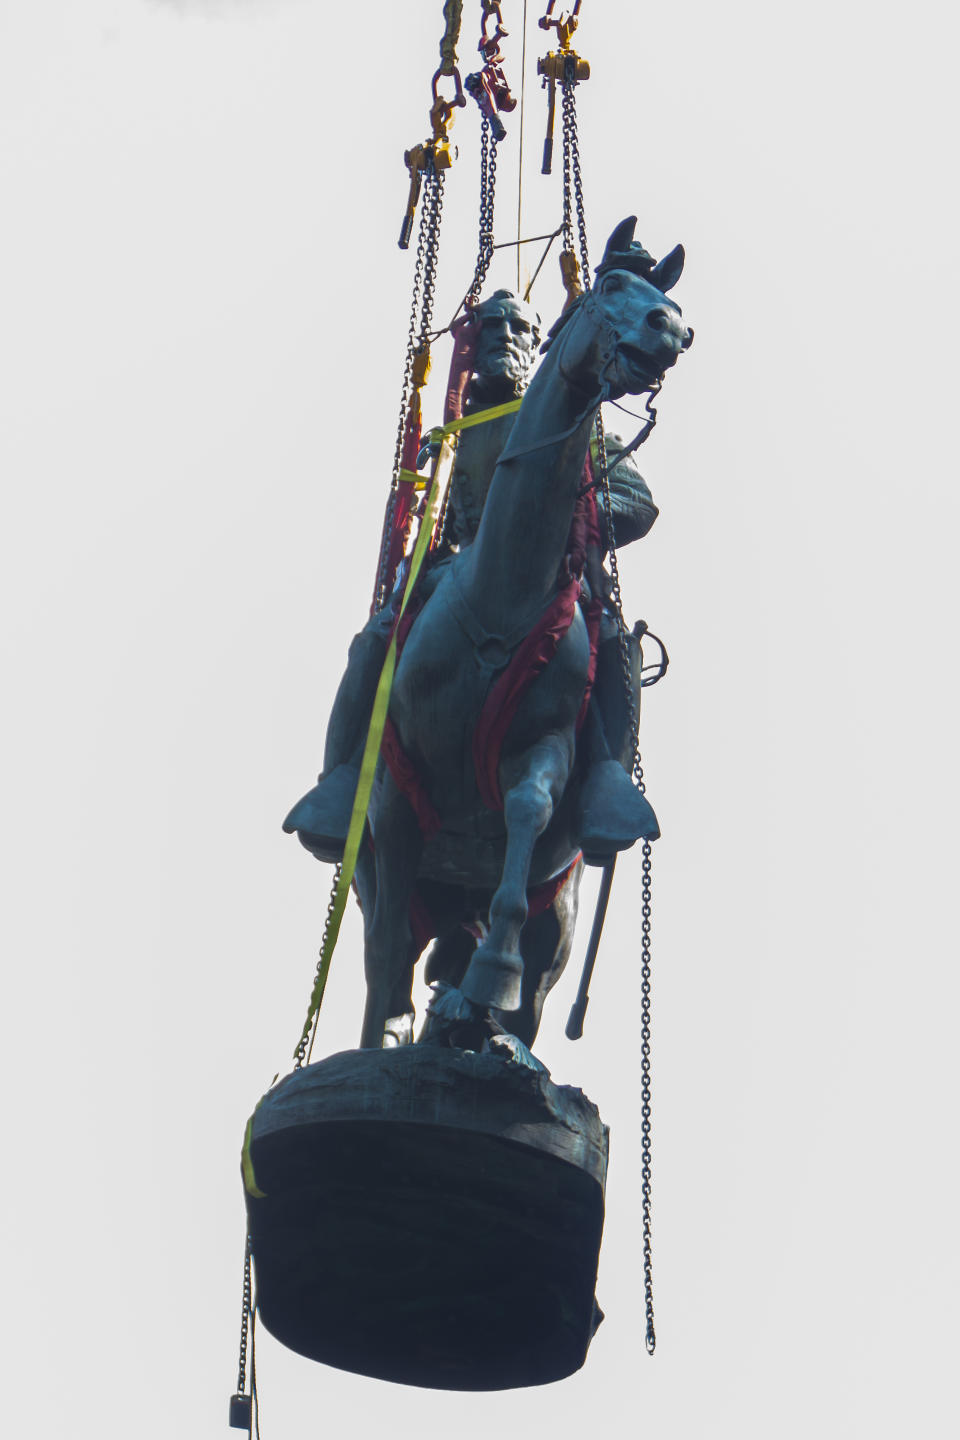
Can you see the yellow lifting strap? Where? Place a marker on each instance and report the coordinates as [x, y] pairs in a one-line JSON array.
[[467, 422], [453, 427], [246, 1160], [439, 480]]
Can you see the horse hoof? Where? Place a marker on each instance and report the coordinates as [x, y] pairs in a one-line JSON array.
[[397, 1031], [449, 1004], [454, 1022], [493, 981]]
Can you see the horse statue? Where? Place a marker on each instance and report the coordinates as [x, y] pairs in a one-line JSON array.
[[493, 841], [479, 810]]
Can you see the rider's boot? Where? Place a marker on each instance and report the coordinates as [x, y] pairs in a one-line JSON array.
[[612, 813], [321, 818]]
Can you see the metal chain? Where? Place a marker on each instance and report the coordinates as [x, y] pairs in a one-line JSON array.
[[488, 185], [623, 644], [245, 1319], [304, 1043], [433, 205], [379, 593], [645, 1171], [572, 157], [572, 177], [568, 131], [418, 337], [424, 282]]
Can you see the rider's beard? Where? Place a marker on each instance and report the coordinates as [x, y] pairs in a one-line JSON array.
[[505, 379]]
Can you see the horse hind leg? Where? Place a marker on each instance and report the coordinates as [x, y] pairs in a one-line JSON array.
[[494, 976], [389, 949]]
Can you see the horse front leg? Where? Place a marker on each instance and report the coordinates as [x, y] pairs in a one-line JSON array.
[[389, 949], [495, 974]]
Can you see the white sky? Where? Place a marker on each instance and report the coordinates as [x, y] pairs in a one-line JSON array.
[[203, 318]]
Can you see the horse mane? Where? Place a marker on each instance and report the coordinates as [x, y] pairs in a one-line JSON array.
[[566, 316]]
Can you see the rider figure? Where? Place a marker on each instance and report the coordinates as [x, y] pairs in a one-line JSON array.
[[612, 814]]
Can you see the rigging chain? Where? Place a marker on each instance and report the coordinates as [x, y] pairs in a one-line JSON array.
[[241, 1404], [418, 345], [488, 184], [623, 645]]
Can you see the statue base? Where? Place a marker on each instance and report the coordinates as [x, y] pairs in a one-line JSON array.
[[430, 1216]]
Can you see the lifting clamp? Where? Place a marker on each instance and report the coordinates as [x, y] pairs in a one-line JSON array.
[[489, 86], [563, 65], [435, 154]]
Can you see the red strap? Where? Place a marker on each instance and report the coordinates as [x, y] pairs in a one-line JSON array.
[[530, 659], [407, 780], [466, 332], [538, 649]]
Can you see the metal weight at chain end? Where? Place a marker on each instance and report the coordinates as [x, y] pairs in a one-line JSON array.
[[241, 1404]]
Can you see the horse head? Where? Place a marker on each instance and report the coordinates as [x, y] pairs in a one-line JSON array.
[[624, 333]]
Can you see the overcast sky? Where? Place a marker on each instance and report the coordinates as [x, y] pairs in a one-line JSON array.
[[202, 325]]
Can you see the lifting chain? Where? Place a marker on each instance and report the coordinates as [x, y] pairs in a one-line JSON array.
[[417, 353], [565, 68], [488, 185], [305, 1044], [242, 1404], [623, 644], [418, 343], [436, 154], [573, 180]]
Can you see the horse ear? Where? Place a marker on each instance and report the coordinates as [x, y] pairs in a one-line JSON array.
[[667, 271], [622, 238]]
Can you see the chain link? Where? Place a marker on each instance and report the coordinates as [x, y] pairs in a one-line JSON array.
[[573, 179], [651, 1334], [433, 205], [418, 338], [245, 1319], [572, 176], [569, 132], [379, 593], [488, 184], [623, 644], [305, 1043]]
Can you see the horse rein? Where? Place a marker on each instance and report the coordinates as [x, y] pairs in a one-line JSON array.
[[594, 405]]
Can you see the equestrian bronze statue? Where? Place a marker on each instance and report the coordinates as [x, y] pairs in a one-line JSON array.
[[510, 740]]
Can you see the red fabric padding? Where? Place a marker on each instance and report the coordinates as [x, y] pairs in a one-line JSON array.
[[407, 780], [538, 649], [395, 758], [465, 333], [531, 658]]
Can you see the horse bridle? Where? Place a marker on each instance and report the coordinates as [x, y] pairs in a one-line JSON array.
[[613, 335]]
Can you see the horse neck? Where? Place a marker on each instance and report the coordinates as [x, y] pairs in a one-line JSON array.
[[510, 570]]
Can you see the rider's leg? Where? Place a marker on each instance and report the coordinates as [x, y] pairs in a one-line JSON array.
[[613, 814], [322, 817]]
